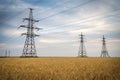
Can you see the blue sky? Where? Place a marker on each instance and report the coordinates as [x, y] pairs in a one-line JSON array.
[[59, 36]]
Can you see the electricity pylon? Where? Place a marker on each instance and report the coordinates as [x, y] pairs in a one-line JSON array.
[[82, 51], [104, 52], [7, 53], [29, 49]]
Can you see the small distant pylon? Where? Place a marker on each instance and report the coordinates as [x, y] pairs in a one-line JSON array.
[[7, 53], [104, 52], [82, 51]]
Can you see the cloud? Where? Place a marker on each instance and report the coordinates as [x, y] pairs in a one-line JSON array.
[[10, 46], [54, 41], [2, 45], [13, 32], [50, 41]]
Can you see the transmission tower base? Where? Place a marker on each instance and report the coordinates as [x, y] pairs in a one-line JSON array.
[[82, 56]]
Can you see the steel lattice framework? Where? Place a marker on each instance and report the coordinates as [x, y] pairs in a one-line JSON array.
[[104, 52], [29, 49], [82, 51]]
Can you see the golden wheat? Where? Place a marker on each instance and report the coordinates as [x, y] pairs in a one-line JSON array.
[[60, 69]]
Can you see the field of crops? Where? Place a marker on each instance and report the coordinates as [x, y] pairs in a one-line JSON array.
[[59, 68]]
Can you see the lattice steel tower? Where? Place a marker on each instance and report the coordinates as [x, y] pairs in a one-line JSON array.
[[82, 51], [104, 52], [29, 49]]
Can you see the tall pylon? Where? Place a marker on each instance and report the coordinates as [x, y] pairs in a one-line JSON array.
[[104, 52], [29, 49], [82, 51]]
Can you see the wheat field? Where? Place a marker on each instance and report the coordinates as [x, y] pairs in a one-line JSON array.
[[59, 68]]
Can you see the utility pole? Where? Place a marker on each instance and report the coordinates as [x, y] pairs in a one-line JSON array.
[[9, 53], [29, 49], [104, 52], [82, 51], [5, 53]]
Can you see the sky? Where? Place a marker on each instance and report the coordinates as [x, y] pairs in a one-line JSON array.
[[62, 22]]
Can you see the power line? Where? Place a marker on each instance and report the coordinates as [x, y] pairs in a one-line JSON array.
[[66, 10], [17, 38], [68, 25], [80, 25], [56, 6], [83, 21], [77, 23], [86, 19]]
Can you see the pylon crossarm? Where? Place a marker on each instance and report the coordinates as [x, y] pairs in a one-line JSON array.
[[23, 26], [35, 20], [37, 28], [23, 34], [26, 34], [36, 35], [30, 19], [26, 19]]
